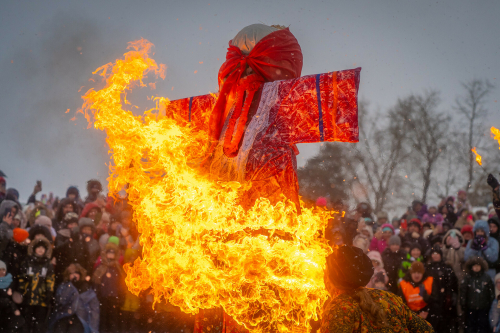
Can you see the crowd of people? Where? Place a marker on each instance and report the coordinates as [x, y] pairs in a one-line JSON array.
[[62, 265], [442, 260], [63, 261]]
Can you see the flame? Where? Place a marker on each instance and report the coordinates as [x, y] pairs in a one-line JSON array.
[[478, 157], [496, 133], [200, 249]]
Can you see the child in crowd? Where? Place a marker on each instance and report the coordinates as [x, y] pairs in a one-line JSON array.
[[415, 254], [87, 230], [494, 314], [414, 235], [453, 251], [16, 253], [108, 283], [77, 306], [379, 279], [476, 295], [69, 221], [381, 237], [36, 283], [419, 291], [393, 257], [483, 246], [10, 316], [467, 233]]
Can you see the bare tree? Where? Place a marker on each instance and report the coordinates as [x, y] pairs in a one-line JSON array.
[[378, 157], [472, 107], [426, 132]]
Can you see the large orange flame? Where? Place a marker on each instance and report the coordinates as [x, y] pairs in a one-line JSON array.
[[201, 250], [496, 133], [478, 157]]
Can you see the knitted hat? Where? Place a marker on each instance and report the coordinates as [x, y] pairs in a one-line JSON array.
[[466, 228], [417, 267], [20, 235], [86, 222], [386, 226], [382, 215], [349, 268], [394, 240], [114, 240], [44, 220], [3, 265], [415, 222]]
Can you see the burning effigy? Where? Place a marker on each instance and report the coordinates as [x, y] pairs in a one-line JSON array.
[[213, 184]]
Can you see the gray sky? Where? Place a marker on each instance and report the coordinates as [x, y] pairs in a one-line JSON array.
[[50, 48]]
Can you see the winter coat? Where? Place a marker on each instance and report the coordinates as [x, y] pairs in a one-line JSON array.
[[14, 257], [378, 244], [392, 264], [446, 285], [71, 252], [494, 315], [406, 264], [454, 257], [6, 234], [80, 301], [490, 254], [109, 285], [7, 305], [476, 289], [424, 244], [496, 201], [63, 236], [36, 278], [343, 314], [495, 220], [412, 294]]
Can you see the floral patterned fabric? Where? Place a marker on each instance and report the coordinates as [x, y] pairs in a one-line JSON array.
[[343, 314]]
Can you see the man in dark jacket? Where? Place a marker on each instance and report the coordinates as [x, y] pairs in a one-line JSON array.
[[413, 235], [392, 257], [69, 222], [476, 294], [65, 206]]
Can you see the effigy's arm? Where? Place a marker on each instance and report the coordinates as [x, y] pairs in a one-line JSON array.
[[315, 108], [194, 111]]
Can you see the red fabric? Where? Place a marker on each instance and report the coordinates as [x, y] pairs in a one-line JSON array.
[[275, 57], [20, 235], [88, 207]]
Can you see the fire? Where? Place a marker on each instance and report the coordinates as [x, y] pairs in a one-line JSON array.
[[201, 249], [478, 157], [496, 133]]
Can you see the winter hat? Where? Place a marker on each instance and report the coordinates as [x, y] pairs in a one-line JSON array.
[[435, 239], [39, 230], [86, 222], [114, 240], [394, 240], [44, 221], [69, 218], [20, 235], [387, 226], [321, 201], [375, 255], [349, 268], [466, 228], [13, 192], [415, 222], [3, 265], [111, 247], [427, 233], [415, 246], [483, 225], [382, 215], [497, 292], [417, 267], [437, 249], [73, 190]]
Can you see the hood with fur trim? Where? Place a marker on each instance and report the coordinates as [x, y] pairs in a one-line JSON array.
[[473, 261], [36, 242], [481, 224], [457, 232]]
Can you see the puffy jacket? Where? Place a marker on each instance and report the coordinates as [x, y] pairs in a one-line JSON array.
[[14, 257], [36, 278], [392, 264], [406, 264], [454, 257], [446, 285], [490, 254], [413, 293], [476, 289]]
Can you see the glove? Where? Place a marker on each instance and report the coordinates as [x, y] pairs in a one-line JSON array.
[[479, 243], [492, 181]]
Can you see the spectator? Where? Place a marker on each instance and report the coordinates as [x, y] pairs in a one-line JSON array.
[[467, 233], [47, 223], [36, 283], [393, 257], [396, 223], [39, 231], [462, 201], [419, 292], [5, 229], [72, 251], [413, 235], [447, 286], [94, 187], [453, 251], [494, 224], [77, 306], [87, 230], [92, 211], [361, 242], [10, 318], [108, 280], [381, 237], [476, 295], [65, 206], [464, 218], [73, 194], [482, 245], [132, 303], [494, 314], [382, 218], [379, 279], [16, 253], [415, 254], [69, 222]]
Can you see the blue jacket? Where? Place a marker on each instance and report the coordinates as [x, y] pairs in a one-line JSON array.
[[84, 305], [490, 254]]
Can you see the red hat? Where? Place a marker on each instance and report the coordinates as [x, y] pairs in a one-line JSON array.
[[466, 228], [20, 235], [417, 222]]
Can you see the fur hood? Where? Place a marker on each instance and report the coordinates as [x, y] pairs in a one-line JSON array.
[[457, 232], [473, 261], [40, 240]]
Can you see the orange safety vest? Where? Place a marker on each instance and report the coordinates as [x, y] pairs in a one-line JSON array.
[[413, 299]]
